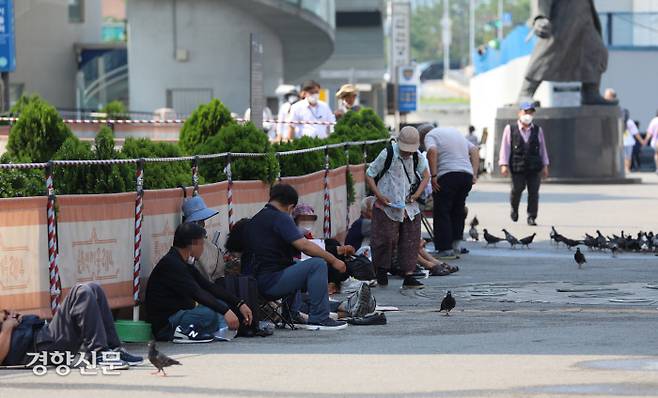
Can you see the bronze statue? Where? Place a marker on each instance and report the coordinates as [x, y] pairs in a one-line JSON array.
[[570, 48]]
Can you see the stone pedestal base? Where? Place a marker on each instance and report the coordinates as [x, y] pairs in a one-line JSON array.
[[584, 143]]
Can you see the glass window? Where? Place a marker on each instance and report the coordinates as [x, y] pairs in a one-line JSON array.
[[76, 11]]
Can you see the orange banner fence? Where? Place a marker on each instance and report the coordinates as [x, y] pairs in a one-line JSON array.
[[116, 240]]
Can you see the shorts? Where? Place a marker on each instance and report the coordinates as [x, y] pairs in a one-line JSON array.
[[628, 152]]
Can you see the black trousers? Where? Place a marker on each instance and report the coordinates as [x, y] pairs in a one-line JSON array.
[[519, 183], [449, 205]]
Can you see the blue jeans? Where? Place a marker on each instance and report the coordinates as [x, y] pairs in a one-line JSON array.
[[310, 274], [204, 319]]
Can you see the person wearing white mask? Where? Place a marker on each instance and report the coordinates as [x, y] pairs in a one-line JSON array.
[[523, 154], [289, 99], [311, 109]]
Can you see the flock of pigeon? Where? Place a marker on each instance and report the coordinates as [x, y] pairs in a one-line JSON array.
[[493, 240], [643, 242]]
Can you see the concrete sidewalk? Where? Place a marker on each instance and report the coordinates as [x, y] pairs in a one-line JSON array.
[[528, 323]]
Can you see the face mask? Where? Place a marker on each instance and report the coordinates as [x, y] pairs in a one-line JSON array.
[[313, 99], [306, 227], [527, 119], [190, 260], [292, 99]]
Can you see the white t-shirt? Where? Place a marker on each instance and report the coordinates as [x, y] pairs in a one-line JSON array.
[[302, 111], [652, 130], [284, 113], [453, 149], [631, 131]]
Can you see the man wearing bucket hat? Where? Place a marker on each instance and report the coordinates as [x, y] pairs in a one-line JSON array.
[[397, 177], [347, 96], [211, 263], [523, 154]]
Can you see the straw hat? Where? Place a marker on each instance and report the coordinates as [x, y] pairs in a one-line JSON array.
[[345, 90]]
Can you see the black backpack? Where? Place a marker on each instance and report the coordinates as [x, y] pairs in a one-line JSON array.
[[389, 160], [361, 268], [23, 340]]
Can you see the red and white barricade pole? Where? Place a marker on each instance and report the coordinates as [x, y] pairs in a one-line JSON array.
[[327, 198], [347, 188], [139, 218], [53, 266], [229, 193], [195, 176]]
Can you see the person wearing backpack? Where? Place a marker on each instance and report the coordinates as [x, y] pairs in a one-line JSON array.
[[397, 178]]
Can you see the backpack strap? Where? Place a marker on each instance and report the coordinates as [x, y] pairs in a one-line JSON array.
[[387, 162]]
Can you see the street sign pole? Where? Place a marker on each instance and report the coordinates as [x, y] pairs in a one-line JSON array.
[[7, 49], [256, 85], [446, 24], [400, 48]]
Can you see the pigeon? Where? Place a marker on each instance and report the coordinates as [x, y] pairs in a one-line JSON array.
[[579, 257], [601, 241], [614, 249], [448, 303], [557, 238], [571, 243], [473, 233], [527, 240], [160, 360], [491, 240], [475, 222], [511, 239]]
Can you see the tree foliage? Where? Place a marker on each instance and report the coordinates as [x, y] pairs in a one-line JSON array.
[[116, 110], [39, 131], [206, 121]]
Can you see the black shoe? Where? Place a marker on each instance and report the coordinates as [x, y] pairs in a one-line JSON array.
[[515, 215], [532, 222], [411, 283], [382, 277], [327, 324]]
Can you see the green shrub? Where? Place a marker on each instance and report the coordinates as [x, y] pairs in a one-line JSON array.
[[38, 133], [239, 138], [157, 175], [16, 183], [363, 125], [116, 110], [74, 179], [205, 122], [296, 165], [110, 178]]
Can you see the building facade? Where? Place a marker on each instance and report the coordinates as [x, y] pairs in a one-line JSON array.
[[182, 53]]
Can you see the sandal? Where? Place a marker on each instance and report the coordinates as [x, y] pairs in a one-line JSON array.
[[451, 268], [439, 270]]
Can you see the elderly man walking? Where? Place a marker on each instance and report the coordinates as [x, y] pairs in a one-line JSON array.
[[523, 153], [453, 163]]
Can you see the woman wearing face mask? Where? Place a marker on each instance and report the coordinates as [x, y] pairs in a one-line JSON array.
[[305, 218], [523, 154], [312, 110]]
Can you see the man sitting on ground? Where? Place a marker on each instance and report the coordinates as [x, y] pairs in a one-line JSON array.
[[83, 323], [273, 241], [176, 286]]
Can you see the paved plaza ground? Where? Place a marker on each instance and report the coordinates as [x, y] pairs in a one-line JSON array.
[[528, 323]]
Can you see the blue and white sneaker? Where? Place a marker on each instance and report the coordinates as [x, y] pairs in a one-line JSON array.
[[130, 359], [189, 335]]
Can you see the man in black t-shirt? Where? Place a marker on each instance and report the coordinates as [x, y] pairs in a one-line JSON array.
[[273, 240], [176, 286]]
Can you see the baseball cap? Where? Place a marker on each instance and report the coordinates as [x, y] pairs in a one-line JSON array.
[[527, 106], [195, 209], [409, 139]]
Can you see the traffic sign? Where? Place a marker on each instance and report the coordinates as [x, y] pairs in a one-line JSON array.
[[7, 43]]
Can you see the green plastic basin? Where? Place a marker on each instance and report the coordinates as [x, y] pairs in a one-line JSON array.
[[133, 331]]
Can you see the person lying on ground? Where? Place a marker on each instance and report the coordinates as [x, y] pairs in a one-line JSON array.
[[82, 326], [273, 240], [435, 266], [176, 286]]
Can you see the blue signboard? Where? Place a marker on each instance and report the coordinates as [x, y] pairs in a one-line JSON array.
[[7, 43], [407, 98]]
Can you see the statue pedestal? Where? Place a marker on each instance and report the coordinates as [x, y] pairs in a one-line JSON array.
[[584, 143]]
